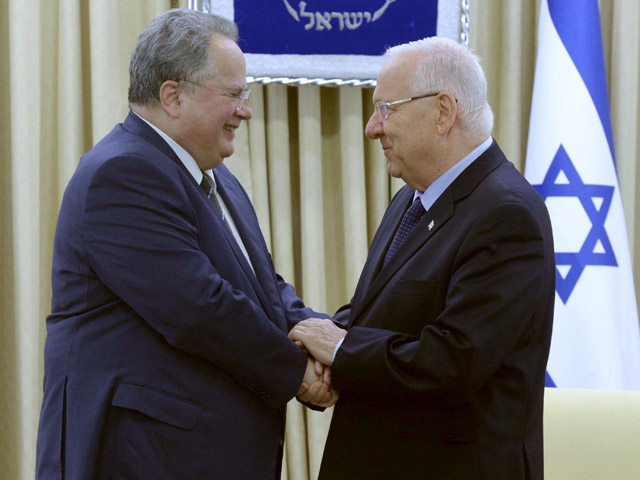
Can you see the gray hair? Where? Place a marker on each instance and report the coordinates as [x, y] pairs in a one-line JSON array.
[[445, 65], [174, 46]]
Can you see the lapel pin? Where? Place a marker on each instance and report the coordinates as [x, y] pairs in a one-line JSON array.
[[431, 225]]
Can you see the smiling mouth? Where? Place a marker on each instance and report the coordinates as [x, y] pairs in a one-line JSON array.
[[230, 128]]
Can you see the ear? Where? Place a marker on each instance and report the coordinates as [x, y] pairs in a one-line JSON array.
[[170, 98], [447, 112]]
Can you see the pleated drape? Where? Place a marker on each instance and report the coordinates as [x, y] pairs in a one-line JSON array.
[[318, 185]]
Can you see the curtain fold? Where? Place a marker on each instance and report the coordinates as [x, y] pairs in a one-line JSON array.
[[353, 186], [280, 177], [27, 56], [503, 34], [319, 186], [312, 197]]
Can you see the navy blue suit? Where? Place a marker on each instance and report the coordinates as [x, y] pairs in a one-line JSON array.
[[442, 372], [166, 356]]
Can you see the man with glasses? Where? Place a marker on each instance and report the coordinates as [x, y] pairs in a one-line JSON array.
[[167, 353], [441, 369]]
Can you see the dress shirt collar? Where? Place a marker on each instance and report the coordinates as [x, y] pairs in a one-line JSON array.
[[184, 156], [433, 191]]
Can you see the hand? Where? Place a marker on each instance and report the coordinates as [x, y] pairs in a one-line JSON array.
[[329, 400], [319, 367], [319, 336], [316, 386]]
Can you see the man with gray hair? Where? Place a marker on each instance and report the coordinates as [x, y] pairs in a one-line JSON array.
[[167, 353], [441, 369]]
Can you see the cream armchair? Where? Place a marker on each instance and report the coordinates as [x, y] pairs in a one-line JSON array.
[[591, 435]]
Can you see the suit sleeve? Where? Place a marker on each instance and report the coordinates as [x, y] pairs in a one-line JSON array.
[[341, 317], [492, 300], [141, 238], [295, 310]]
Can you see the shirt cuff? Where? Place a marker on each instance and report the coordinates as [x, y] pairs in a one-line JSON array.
[[336, 349]]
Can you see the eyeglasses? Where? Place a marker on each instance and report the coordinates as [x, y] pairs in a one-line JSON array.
[[239, 98], [383, 107]]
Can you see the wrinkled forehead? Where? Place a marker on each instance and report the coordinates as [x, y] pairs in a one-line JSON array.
[[396, 77], [229, 62]]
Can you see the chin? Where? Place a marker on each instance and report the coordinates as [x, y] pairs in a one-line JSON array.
[[213, 161], [227, 152], [392, 171]]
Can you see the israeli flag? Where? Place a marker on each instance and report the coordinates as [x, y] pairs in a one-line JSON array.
[[570, 161]]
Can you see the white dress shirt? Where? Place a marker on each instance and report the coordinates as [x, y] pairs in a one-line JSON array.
[[191, 165], [433, 191]]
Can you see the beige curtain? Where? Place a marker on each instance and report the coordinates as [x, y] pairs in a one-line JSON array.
[[318, 185]]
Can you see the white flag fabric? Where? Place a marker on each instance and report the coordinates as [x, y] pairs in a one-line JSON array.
[[570, 161]]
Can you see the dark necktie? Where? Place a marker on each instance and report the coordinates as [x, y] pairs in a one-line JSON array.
[[411, 217], [208, 186]]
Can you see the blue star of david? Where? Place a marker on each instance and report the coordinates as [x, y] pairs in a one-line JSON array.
[[577, 261]]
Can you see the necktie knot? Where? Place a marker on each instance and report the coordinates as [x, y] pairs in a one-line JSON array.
[[415, 211], [410, 219]]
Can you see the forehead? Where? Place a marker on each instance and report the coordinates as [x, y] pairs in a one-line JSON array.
[[396, 78], [230, 66]]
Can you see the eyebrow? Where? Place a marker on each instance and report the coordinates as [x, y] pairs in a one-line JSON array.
[[237, 88]]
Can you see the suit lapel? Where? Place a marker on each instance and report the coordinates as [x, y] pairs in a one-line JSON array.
[[380, 245], [235, 202], [263, 280], [441, 211], [421, 233]]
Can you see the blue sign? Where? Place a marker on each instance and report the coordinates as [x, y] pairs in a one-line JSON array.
[[315, 40], [352, 27]]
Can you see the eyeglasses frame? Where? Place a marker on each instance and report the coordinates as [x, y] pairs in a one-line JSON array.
[[383, 107], [240, 98]]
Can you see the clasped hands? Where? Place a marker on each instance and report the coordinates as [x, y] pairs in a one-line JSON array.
[[318, 339]]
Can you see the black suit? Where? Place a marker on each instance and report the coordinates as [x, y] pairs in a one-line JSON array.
[[442, 371]]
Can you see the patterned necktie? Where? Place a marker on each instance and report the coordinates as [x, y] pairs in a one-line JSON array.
[[411, 217], [208, 186]]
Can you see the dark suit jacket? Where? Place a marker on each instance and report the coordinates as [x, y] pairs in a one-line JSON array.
[[442, 371], [166, 356]]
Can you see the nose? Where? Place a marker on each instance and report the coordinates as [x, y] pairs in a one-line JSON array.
[[373, 130], [245, 112]]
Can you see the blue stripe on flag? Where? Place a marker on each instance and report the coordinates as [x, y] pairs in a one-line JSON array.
[[548, 381], [578, 25]]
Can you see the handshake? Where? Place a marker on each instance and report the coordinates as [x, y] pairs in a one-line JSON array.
[[318, 339]]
